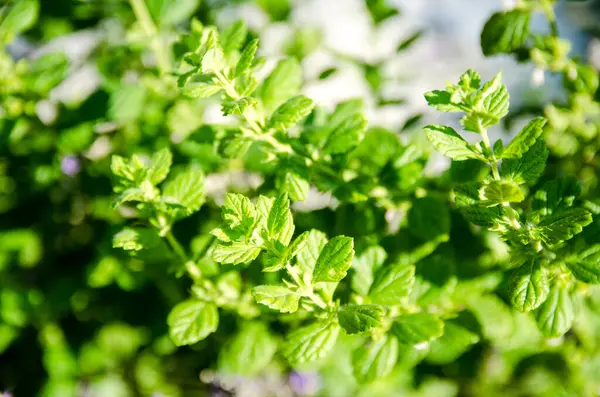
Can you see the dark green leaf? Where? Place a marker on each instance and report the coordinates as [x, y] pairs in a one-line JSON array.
[[525, 139], [563, 226], [505, 32], [529, 286], [555, 316]]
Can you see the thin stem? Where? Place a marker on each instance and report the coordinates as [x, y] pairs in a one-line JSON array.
[[494, 163], [549, 11], [161, 51], [177, 247]]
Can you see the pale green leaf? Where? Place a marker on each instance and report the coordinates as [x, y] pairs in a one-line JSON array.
[[392, 283], [200, 90], [21, 15], [246, 57], [307, 257], [283, 83], [237, 252], [500, 191], [555, 316], [213, 61], [364, 267], [447, 141], [334, 260], [310, 343], [238, 211], [450, 346], [290, 113], [360, 318], [161, 164], [187, 189], [279, 215], [277, 297], [191, 321], [249, 352], [415, 328], [525, 139], [376, 360], [234, 36]]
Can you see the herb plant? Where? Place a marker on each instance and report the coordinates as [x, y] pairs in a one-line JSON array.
[[126, 269]]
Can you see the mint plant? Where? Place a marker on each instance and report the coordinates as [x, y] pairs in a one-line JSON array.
[[150, 247]]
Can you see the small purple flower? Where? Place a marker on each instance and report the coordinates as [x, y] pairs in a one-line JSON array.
[[6, 394], [70, 165], [304, 383]]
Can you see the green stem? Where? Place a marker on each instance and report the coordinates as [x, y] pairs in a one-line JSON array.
[[161, 50], [549, 11], [190, 266], [494, 162]]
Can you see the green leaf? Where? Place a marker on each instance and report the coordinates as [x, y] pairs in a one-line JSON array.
[[585, 266], [555, 316], [466, 197], [290, 113], [334, 260], [310, 343], [249, 352], [187, 189], [346, 135], [392, 283], [296, 185], [442, 101], [20, 17], [450, 346], [528, 286], [191, 321], [279, 215], [563, 226], [364, 267], [447, 141], [277, 297], [555, 195], [237, 252], [505, 32], [412, 329], [283, 83], [500, 191], [429, 218], [527, 168], [238, 107], [200, 90], [127, 103], [525, 139], [136, 239], [234, 36], [238, 211], [161, 164], [488, 106], [213, 61], [376, 360], [355, 319], [307, 257], [246, 58]]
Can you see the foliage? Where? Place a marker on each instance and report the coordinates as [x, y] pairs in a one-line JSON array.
[[126, 272]]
